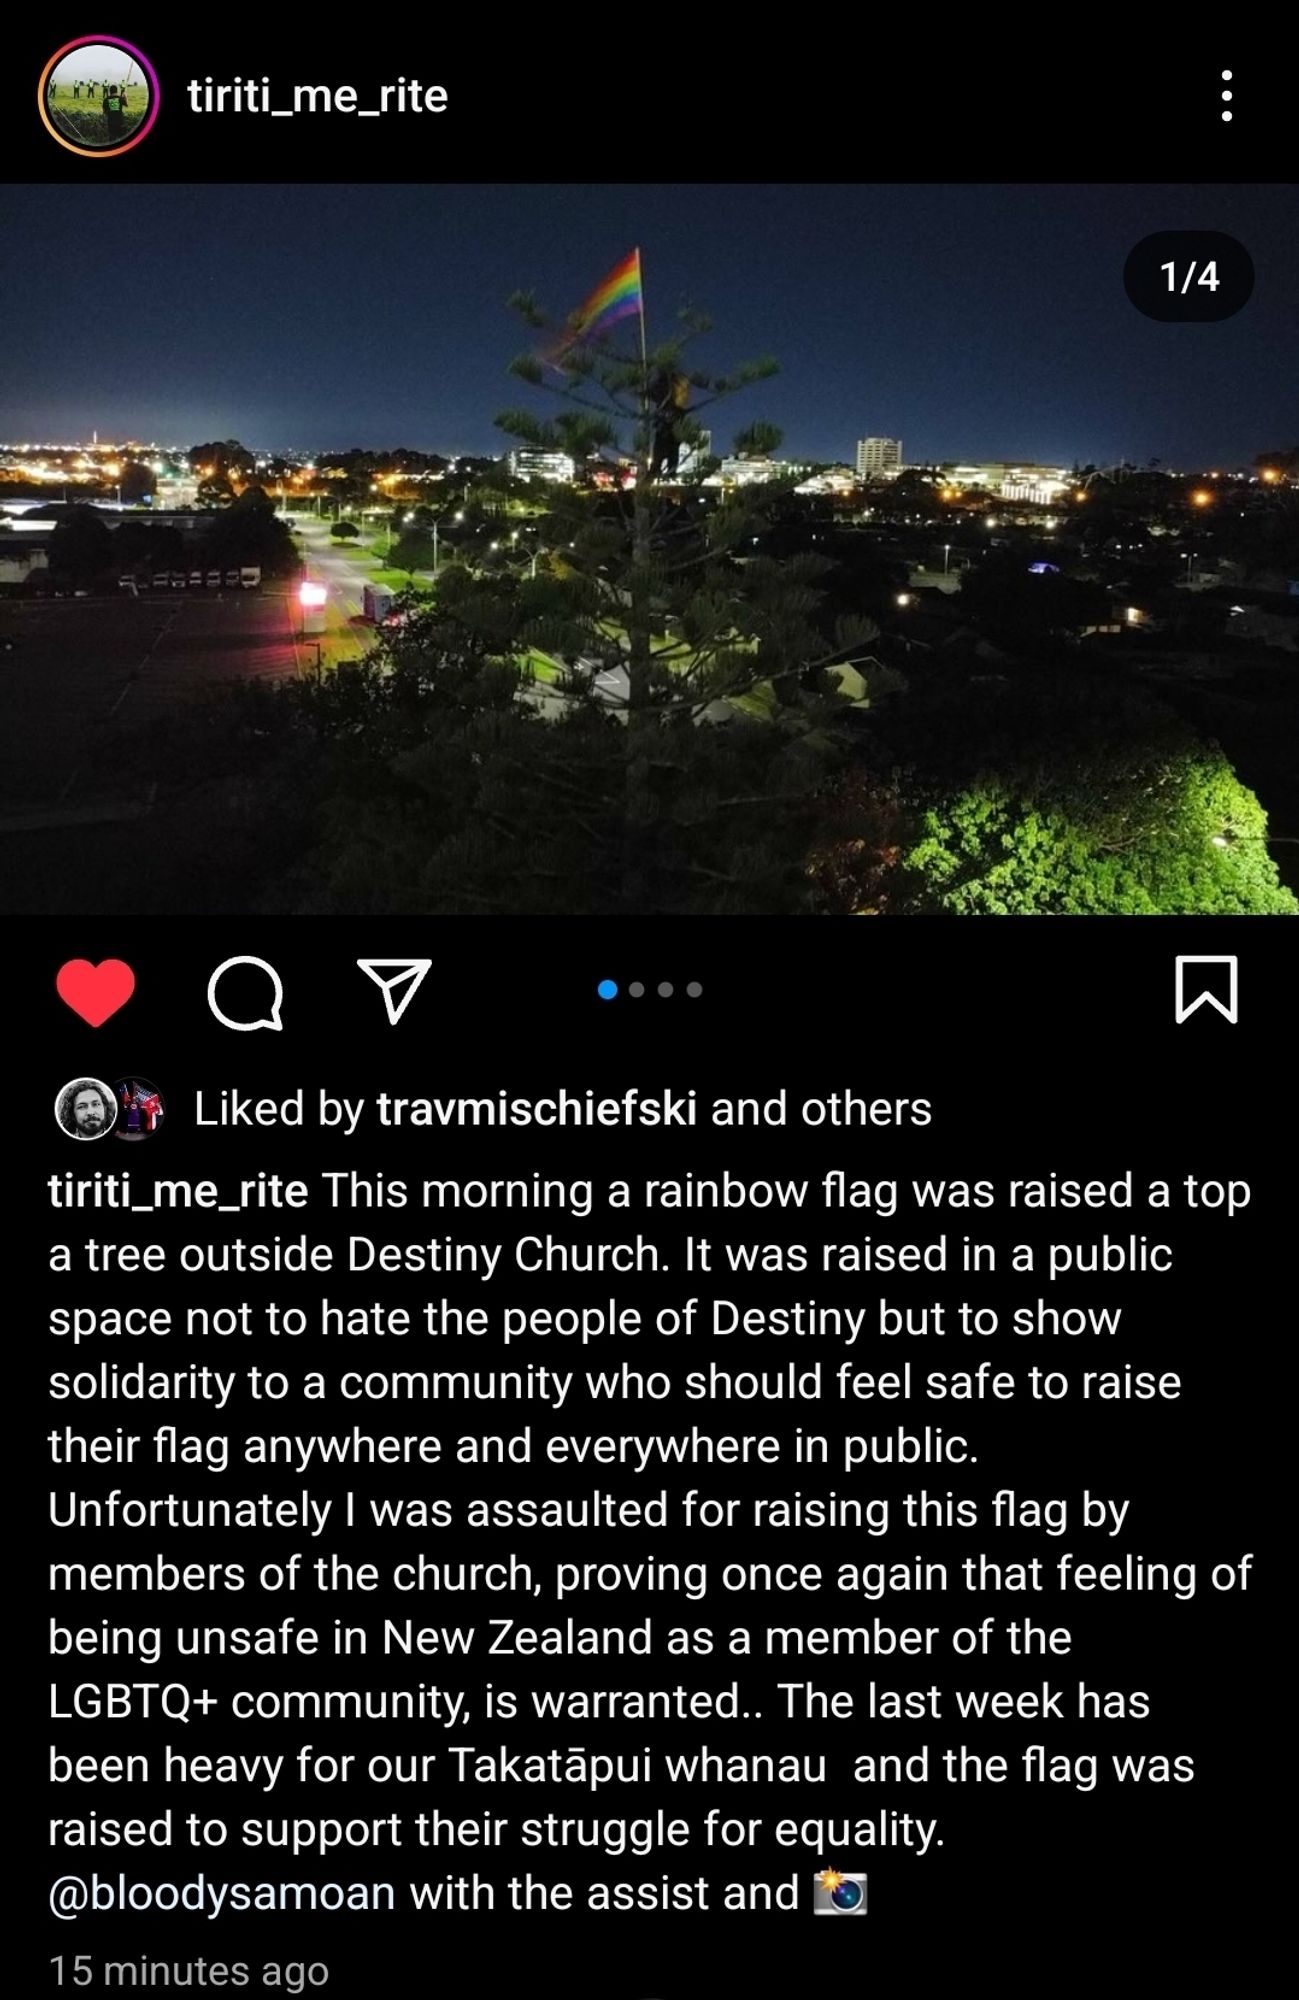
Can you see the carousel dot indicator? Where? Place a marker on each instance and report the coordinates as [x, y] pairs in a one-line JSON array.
[[608, 989]]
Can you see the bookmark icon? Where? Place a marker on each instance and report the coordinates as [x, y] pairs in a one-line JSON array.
[[1193, 990], [398, 979]]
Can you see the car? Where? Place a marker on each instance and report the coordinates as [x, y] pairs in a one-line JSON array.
[[232, 579], [196, 579], [214, 579], [178, 579], [129, 585], [161, 579]]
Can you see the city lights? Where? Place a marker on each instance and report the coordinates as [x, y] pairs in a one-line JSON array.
[[846, 640]]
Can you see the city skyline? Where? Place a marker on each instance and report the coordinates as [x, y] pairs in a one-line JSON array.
[[967, 320], [173, 450]]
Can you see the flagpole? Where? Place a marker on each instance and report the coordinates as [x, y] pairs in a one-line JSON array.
[[640, 288], [644, 372]]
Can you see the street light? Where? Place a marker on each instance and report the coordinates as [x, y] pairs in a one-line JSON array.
[[1233, 839], [947, 550]]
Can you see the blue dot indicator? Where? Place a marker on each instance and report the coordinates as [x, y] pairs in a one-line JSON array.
[[608, 989]]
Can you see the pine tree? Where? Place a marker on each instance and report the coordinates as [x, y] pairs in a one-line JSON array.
[[664, 587]]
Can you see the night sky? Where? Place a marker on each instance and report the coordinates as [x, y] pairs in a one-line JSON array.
[[972, 322]]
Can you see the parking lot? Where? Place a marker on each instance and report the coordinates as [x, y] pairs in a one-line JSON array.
[[86, 676]]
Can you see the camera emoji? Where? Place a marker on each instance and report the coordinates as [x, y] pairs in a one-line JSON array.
[[838, 1895]]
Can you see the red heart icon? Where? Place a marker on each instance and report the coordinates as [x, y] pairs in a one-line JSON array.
[[95, 991]]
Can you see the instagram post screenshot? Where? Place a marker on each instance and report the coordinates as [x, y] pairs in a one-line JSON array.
[[584, 1418]]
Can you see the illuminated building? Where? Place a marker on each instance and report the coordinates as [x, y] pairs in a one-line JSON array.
[[879, 458], [527, 462], [693, 455], [1038, 485]]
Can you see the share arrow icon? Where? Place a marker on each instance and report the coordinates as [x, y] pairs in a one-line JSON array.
[[398, 979]]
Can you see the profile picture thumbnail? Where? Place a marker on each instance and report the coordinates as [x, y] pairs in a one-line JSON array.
[[140, 1109], [98, 97], [86, 1108]]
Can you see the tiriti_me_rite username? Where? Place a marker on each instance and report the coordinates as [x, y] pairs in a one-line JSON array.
[[252, 96]]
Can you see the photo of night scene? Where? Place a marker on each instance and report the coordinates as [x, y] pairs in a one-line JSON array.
[[716, 550]]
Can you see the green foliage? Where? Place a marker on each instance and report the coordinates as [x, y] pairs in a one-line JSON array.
[[439, 791], [525, 305], [757, 440], [684, 747], [1069, 798], [411, 551], [81, 547], [137, 482], [249, 531], [525, 424], [223, 455], [216, 491], [144, 547]]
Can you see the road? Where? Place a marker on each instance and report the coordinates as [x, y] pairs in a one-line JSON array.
[[347, 634]]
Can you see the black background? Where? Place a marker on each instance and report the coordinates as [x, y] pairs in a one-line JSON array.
[[1041, 1046], [666, 99]]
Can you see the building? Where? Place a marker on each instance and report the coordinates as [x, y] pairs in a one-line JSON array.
[[693, 455], [1038, 485], [527, 462], [20, 555], [879, 458], [837, 480], [754, 471]]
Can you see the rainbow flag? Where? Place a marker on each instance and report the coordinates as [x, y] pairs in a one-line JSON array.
[[616, 298]]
